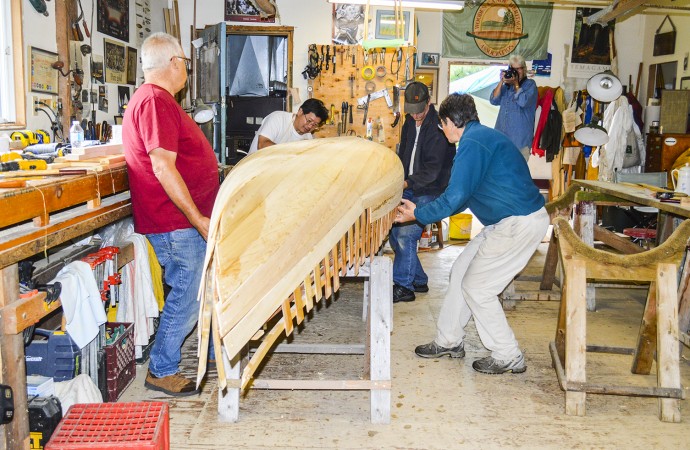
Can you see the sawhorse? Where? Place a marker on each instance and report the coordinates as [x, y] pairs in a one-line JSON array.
[[378, 313]]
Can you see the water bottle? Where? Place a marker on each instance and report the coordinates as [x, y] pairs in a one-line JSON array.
[[76, 135]]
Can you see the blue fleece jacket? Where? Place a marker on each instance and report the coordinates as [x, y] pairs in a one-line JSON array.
[[489, 176]]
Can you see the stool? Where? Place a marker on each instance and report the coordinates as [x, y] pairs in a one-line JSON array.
[[659, 329], [104, 426], [641, 235]]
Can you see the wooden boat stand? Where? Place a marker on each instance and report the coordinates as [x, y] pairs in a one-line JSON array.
[[658, 330], [378, 312]]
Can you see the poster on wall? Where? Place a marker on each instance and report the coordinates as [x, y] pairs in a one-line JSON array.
[[591, 51], [122, 99], [113, 18], [97, 68], [131, 65], [348, 24], [143, 20], [115, 62], [250, 11], [103, 98], [43, 78]]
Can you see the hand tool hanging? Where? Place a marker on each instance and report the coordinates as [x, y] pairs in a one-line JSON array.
[[76, 29], [396, 106], [328, 55], [344, 107], [312, 70], [365, 107]]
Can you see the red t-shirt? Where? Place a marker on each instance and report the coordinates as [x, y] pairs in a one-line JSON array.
[[153, 119]]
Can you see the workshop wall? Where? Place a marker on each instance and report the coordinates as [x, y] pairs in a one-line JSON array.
[[39, 31]]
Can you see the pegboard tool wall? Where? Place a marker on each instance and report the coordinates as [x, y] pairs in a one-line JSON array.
[[347, 83]]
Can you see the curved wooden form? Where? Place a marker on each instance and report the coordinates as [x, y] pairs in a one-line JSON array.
[[658, 330], [288, 220]]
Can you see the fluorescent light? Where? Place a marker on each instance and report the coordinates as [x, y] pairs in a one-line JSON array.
[[422, 4]]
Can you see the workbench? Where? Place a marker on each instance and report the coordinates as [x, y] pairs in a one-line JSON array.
[[47, 212]]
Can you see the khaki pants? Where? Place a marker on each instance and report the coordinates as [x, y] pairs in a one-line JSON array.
[[482, 271]]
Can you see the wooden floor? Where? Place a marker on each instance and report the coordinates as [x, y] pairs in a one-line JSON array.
[[437, 403]]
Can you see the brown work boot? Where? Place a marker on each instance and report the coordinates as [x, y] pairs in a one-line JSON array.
[[175, 385]]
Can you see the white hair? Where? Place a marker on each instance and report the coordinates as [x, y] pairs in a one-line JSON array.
[[517, 59], [157, 50]]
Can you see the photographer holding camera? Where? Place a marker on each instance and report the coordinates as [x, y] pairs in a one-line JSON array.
[[517, 96]]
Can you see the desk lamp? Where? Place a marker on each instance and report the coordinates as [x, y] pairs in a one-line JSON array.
[[603, 87]]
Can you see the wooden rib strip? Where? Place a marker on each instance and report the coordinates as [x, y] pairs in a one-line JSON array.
[[349, 246], [336, 270], [327, 279], [309, 292], [317, 283], [287, 316], [343, 257], [355, 248], [299, 304], [261, 351]]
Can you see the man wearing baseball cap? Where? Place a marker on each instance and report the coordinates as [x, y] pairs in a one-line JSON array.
[[427, 157]]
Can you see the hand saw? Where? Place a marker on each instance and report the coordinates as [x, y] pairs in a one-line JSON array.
[[373, 96]]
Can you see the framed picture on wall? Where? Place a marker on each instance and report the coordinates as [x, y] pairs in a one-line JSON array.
[[385, 24], [685, 83], [42, 76], [131, 65], [113, 18], [430, 59], [429, 77], [115, 62]]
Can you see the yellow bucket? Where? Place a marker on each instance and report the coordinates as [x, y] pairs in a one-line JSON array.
[[460, 226]]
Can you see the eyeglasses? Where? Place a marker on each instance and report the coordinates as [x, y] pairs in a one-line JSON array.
[[187, 62], [311, 123]]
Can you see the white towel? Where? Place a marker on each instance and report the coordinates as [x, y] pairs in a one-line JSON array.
[[137, 301], [81, 302]]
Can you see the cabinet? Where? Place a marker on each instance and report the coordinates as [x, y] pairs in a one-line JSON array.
[[243, 73], [663, 149]]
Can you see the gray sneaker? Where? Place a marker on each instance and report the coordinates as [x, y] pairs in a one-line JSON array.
[[433, 350], [495, 367]]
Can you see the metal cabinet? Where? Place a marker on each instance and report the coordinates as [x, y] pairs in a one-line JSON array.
[[243, 73]]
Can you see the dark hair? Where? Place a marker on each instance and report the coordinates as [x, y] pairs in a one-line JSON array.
[[315, 106], [459, 108]]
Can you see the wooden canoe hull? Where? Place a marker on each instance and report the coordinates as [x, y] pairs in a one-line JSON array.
[[289, 219]]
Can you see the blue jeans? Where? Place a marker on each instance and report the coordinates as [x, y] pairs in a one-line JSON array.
[[407, 270], [181, 253]]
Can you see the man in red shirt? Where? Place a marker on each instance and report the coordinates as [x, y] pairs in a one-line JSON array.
[[173, 179]]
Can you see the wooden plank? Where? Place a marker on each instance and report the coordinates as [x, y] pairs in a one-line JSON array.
[[575, 335], [585, 218], [45, 197], [684, 296], [611, 239], [321, 385], [309, 292], [299, 305], [380, 320], [12, 365], [646, 339], [668, 371], [229, 398], [68, 225]]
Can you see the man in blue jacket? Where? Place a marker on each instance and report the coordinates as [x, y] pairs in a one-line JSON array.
[[491, 178], [426, 157]]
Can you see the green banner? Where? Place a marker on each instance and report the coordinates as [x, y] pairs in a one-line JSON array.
[[495, 29]]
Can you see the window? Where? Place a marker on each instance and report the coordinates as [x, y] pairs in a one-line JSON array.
[[12, 89]]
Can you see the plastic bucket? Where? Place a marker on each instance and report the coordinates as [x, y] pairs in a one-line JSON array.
[[460, 226]]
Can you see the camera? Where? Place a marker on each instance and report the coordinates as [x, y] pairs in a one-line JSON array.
[[510, 73]]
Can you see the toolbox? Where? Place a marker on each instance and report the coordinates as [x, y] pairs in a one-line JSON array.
[[57, 356], [45, 414]]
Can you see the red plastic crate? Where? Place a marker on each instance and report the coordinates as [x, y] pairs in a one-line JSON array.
[[120, 363], [113, 426]]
